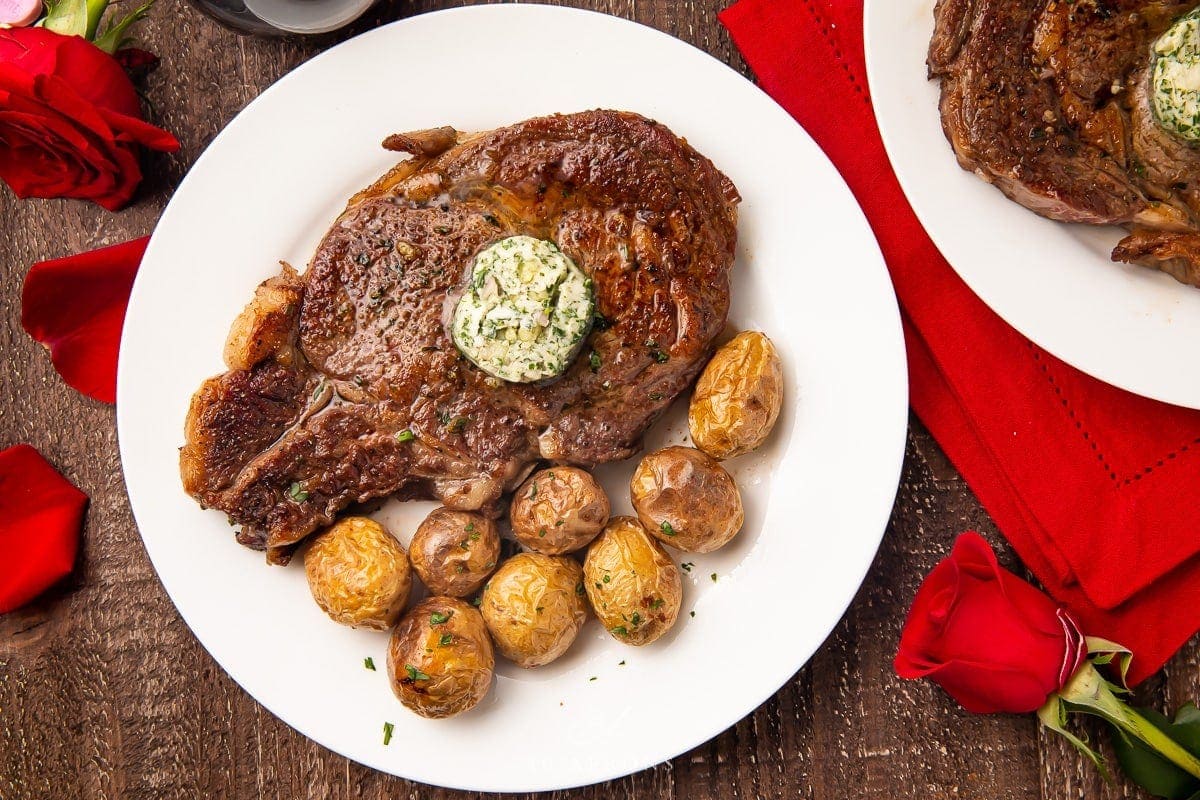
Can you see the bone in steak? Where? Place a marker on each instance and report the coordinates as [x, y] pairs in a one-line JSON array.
[[344, 385], [1050, 101]]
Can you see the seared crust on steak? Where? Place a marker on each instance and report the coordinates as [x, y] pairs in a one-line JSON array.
[[321, 416], [1049, 101]]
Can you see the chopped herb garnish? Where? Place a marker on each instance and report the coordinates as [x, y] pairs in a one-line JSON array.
[[607, 578], [620, 630], [442, 229], [661, 357], [478, 599], [600, 322], [457, 424], [636, 619], [369, 663], [687, 566], [438, 618], [388, 728], [714, 577], [667, 528], [443, 417], [297, 493], [621, 663], [405, 436], [319, 388], [579, 588], [656, 396], [559, 524], [657, 604], [691, 613], [592, 678], [542, 532], [446, 639], [533, 491], [415, 674], [594, 361], [470, 527]]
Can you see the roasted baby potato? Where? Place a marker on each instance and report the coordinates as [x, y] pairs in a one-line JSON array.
[[358, 574], [633, 585], [440, 659], [738, 397], [558, 510], [534, 607], [686, 499], [453, 552]]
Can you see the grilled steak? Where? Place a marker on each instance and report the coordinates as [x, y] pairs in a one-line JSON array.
[[344, 384], [1050, 101]]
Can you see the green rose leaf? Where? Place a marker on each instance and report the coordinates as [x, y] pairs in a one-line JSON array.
[[1151, 771], [71, 17]]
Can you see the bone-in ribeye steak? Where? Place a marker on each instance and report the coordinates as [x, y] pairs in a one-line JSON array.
[[344, 385], [1050, 101]]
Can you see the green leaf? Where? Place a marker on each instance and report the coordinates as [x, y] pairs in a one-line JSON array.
[[114, 37], [68, 17], [1151, 771], [1103, 651], [1054, 716], [95, 10]]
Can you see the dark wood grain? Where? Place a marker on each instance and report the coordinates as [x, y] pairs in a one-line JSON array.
[[104, 693]]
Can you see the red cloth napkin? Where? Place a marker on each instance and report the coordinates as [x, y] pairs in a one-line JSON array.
[[1089, 483]]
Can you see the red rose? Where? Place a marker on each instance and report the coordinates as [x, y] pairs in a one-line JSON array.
[[70, 122], [990, 639]]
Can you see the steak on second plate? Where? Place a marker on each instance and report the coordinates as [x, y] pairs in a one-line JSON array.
[[1049, 101], [345, 386]]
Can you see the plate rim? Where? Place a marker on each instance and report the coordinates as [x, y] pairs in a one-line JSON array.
[[895, 460]]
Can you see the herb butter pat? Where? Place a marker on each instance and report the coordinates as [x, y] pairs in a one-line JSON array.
[[1176, 78], [526, 311]]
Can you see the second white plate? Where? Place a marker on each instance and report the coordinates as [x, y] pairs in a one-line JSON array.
[[1126, 325]]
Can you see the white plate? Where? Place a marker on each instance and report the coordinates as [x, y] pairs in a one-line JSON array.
[[818, 495], [1127, 325]]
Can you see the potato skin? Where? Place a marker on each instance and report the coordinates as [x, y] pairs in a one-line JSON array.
[[358, 573], [534, 607], [737, 399], [558, 510], [454, 655], [686, 499], [633, 585], [453, 552]]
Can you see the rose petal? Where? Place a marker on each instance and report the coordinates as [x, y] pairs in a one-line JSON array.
[[95, 74], [41, 514], [75, 306]]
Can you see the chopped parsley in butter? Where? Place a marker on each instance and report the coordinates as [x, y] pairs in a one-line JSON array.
[[1176, 78], [525, 312]]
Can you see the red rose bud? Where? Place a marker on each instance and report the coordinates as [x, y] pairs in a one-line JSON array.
[[70, 121], [992, 641], [75, 306], [41, 514]]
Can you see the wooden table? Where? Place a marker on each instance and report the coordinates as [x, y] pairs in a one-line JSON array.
[[104, 692]]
